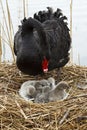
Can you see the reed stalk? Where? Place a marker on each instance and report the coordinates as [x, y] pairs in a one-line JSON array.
[[0, 46], [79, 59], [71, 54], [5, 35], [24, 8], [10, 30], [9, 27]]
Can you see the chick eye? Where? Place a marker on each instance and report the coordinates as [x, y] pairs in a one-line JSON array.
[[51, 84], [42, 85]]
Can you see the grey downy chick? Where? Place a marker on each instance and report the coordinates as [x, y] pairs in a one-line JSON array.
[[59, 92], [42, 86], [42, 98], [52, 83], [30, 89], [46, 87], [27, 90]]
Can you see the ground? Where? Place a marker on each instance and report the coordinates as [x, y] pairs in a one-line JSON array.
[[17, 114]]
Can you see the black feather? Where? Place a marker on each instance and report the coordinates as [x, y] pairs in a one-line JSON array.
[[47, 34]]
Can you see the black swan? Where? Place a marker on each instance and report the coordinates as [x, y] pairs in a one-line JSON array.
[[42, 43]]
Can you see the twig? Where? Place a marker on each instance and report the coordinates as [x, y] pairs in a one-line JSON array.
[[34, 115], [81, 118], [77, 96], [64, 117], [22, 112], [9, 80]]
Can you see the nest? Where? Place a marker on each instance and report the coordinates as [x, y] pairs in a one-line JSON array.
[[18, 114]]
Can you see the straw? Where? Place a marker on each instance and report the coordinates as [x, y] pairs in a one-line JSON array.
[[16, 113]]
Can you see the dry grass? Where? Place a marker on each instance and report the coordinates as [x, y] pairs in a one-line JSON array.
[[17, 114], [7, 28], [0, 46]]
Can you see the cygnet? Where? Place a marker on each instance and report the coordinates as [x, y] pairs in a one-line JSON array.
[[59, 92], [27, 90], [52, 82]]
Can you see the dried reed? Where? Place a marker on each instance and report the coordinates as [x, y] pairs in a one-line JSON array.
[[0, 46], [15, 113], [11, 31], [71, 54], [9, 27]]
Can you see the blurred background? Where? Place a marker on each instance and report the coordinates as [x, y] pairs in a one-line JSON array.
[[13, 11]]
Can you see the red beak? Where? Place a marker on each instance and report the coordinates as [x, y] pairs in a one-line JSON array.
[[45, 65]]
